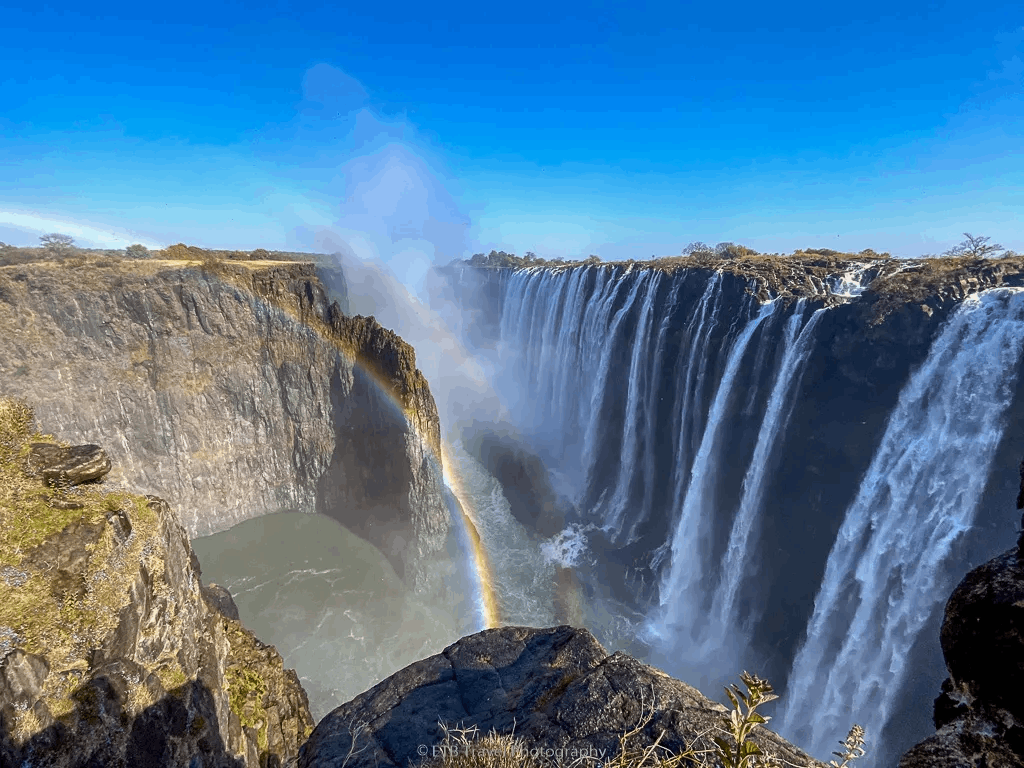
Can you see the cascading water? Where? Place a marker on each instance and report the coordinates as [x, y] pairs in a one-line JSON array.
[[725, 616], [665, 399], [681, 593], [591, 351], [917, 498]]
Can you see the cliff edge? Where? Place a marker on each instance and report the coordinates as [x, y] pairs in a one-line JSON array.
[[111, 651], [231, 389]]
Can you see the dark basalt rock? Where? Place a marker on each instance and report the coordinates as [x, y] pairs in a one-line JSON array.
[[556, 688], [220, 599], [980, 712], [67, 466]]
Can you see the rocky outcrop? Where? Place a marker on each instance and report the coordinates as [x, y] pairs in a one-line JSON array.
[[557, 688], [980, 712], [109, 653], [232, 390]]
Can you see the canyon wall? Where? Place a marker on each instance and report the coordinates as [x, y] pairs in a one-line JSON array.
[[232, 390]]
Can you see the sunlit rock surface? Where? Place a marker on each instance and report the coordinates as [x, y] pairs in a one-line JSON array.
[[231, 390], [555, 688], [109, 653]]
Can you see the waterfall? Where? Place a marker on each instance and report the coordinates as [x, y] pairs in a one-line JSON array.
[[550, 329], [639, 402], [680, 591], [918, 496], [725, 614]]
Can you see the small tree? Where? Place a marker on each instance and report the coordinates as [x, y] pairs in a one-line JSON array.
[[137, 251], [56, 244], [733, 251], [592, 259], [974, 247], [698, 249]]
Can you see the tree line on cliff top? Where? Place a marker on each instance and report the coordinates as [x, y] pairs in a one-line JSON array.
[[970, 247], [59, 246]]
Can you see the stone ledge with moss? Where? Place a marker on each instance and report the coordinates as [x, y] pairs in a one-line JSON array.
[[109, 654]]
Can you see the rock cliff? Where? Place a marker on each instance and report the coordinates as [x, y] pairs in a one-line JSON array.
[[557, 688], [112, 653], [232, 389], [979, 715]]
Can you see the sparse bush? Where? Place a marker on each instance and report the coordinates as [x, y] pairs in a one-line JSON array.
[[733, 251], [853, 747], [56, 244], [741, 753], [184, 252], [137, 251], [261, 254], [17, 420], [974, 247], [698, 248]]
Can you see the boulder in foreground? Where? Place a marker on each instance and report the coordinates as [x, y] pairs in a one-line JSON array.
[[556, 688]]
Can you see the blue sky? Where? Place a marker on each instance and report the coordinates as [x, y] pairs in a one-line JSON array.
[[421, 131]]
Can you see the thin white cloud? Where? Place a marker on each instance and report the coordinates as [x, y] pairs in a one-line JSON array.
[[86, 235]]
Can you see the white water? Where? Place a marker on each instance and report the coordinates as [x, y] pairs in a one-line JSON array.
[[639, 404], [680, 592], [918, 497], [851, 283], [523, 576], [725, 617]]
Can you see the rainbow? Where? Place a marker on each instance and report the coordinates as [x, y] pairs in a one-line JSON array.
[[487, 596], [489, 609]]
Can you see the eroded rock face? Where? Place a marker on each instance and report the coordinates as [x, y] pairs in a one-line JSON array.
[[980, 713], [109, 653], [557, 688], [231, 392], [74, 465]]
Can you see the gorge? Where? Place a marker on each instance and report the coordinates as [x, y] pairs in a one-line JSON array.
[[776, 464]]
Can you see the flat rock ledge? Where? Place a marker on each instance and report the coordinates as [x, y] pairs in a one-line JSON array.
[[557, 688]]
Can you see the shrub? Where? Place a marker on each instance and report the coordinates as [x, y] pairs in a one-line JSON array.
[[184, 252], [56, 244]]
